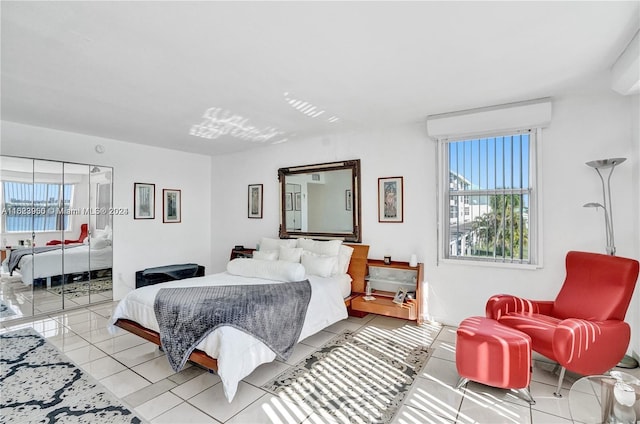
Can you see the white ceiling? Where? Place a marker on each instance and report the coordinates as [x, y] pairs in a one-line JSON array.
[[146, 72]]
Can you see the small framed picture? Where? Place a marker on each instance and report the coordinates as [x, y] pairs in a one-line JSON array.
[[144, 201], [400, 295], [288, 201], [255, 201], [297, 204], [347, 200], [171, 206], [390, 199]]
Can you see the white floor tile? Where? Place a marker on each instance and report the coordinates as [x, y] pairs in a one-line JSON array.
[[196, 385], [124, 383], [548, 403], [342, 326], [213, 402], [544, 418], [266, 372], [487, 410], [158, 406], [300, 351], [319, 339], [447, 334], [441, 370], [138, 354], [85, 354], [444, 350], [408, 415], [184, 413], [270, 409], [103, 367], [119, 343], [68, 341], [156, 369], [435, 398]]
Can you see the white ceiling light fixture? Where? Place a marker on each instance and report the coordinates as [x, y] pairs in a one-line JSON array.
[[218, 122], [307, 108]]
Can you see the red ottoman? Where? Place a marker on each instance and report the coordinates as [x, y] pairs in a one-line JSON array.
[[493, 354]]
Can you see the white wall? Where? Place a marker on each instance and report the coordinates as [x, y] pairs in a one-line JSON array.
[[137, 244], [634, 310], [584, 127]]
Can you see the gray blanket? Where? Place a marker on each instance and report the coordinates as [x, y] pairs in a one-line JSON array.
[[17, 254], [272, 313]]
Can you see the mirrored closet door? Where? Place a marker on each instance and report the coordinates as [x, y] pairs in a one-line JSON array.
[[56, 236]]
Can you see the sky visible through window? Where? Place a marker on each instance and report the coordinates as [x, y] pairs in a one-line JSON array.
[[36, 205], [492, 163]]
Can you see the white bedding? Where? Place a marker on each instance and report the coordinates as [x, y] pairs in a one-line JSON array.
[[238, 353], [77, 259]]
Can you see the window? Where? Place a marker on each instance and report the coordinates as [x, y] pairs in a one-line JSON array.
[[490, 198], [40, 206]]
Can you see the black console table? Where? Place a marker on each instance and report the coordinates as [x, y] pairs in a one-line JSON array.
[[161, 274]]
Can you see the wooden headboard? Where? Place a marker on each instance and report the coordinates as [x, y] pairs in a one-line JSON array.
[[358, 266]]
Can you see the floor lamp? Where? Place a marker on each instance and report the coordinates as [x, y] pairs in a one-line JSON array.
[[606, 198], [627, 361]]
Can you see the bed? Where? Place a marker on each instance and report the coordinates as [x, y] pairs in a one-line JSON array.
[[78, 259], [232, 353]]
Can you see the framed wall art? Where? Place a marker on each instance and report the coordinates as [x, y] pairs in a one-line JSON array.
[[390, 199], [255, 201], [297, 204], [144, 201], [171, 205]]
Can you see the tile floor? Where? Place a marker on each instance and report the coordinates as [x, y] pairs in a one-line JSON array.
[[137, 372], [26, 302]]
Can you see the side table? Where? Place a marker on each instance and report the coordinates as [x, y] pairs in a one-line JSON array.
[[611, 398]]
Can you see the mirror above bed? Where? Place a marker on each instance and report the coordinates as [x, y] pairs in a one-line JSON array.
[[321, 201]]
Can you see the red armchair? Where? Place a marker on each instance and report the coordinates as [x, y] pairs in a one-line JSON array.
[[84, 232], [583, 329]]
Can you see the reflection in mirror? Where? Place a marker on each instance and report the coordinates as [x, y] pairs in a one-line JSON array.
[[101, 251], [321, 201], [50, 210], [51, 197]]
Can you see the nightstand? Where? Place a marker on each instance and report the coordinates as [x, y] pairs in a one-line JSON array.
[[385, 280], [4, 252], [241, 253]]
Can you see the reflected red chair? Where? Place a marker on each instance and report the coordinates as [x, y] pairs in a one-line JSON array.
[[583, 329], [84, 232]]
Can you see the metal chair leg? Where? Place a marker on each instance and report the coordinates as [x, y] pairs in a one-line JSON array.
[[526, 395], [461, 382], [560, 379]]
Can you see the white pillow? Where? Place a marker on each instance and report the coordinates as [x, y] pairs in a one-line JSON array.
[[266, 255], [268, 270], [274, 244], [326, 248], [290, 254], [99, 243], [344, 258], [318, 265]]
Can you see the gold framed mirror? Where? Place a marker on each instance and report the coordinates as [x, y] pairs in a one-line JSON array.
[[321, 201]]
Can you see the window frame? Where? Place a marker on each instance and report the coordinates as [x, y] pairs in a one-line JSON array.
[[535, 206], [61, 187]]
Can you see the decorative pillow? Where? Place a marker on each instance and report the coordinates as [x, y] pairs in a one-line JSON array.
[[274, 244], [318, 265], [99, 243], [344, 258], [266, 255], [326, 248], [268, 270], [290, 254]]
